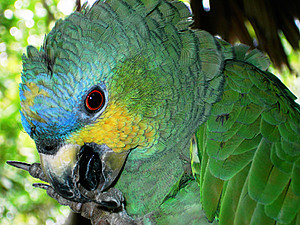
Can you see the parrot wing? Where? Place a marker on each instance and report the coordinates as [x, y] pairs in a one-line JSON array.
[[249, 148]]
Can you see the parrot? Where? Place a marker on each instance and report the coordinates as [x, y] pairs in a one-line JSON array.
[[140, 119]]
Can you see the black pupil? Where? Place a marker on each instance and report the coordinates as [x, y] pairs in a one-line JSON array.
[[95, 100]]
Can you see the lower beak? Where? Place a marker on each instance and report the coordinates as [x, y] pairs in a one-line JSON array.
[[76, 172]]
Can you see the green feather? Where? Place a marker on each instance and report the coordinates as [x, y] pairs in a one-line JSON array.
[[231, 196], [222, 150], [259, 216], [247, 145], [240, 51], [286, 207], [263, 134], [269, 131], [227, 168], [245, 207], [249, 113], [266, 182], [223, 122], [295, 178], [283, 165], [211, 192], [251, 130]]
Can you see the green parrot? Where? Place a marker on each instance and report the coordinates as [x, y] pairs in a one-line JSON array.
[[135, 114]]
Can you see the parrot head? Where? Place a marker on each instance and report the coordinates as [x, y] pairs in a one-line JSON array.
[[81, 105]]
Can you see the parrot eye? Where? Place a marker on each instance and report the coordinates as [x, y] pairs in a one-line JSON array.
[[94, 100]]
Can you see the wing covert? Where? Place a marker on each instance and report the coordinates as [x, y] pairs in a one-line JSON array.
[[250, 149]]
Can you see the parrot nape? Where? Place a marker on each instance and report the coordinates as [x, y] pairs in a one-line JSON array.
[[139, 119]]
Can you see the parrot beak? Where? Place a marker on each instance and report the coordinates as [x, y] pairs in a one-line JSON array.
[[79, 172], [98, 166]]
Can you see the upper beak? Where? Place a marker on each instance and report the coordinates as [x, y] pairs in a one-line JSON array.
[[76, 172]]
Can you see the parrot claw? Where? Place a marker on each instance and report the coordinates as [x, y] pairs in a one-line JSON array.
[[34, 169], [97, 213], [19, 165], [98, 216], [41, 185], [111, 199], [104, 207]]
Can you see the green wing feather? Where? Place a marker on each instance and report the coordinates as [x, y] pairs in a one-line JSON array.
[[249, 148]]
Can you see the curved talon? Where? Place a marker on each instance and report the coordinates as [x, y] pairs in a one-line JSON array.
[[41, 185], [19, 165], [112, 199], [110, 204], [75, 206]]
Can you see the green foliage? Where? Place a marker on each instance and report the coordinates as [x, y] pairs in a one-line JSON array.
[[291, 80], [22, 23]]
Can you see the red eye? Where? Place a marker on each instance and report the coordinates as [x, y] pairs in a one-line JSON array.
[[94, 100]]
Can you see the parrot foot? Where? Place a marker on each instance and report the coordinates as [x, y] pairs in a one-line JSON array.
[[111, 199], [95, 211], [105, 207]]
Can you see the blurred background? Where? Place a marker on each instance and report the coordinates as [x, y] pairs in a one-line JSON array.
[[25, 22], [22, 23]]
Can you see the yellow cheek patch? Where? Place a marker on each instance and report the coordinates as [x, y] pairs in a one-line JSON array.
[[119, 129], [34, 91]]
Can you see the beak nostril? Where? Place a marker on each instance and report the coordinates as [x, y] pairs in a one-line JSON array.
[[49, 147]]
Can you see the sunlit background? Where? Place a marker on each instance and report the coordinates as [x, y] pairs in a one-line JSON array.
[[22, 23]]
